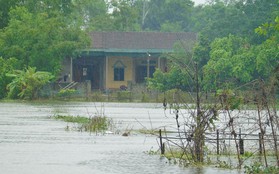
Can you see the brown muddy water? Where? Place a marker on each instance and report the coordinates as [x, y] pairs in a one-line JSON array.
[[33, 143]]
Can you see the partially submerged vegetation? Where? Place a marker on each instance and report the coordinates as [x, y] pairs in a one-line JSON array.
[[259, 168], [90, 124], [189, 143]]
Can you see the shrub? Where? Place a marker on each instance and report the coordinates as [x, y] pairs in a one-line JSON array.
[[123, 95], [66, 93]]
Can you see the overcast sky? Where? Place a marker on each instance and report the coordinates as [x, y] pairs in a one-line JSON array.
[[199, 1]]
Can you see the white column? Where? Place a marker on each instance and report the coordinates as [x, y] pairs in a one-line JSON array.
[[148, 66]]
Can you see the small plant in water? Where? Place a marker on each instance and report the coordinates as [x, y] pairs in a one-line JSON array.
[[152, 152], [223, 164], [91, 124]]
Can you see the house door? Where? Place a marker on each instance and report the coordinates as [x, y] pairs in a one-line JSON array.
[[88, 69], [141, 73], [93, 74]]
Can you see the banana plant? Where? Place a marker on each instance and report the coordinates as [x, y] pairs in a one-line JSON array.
[[27, 83]]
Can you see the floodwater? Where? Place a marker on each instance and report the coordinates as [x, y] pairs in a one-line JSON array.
[[33, 143]]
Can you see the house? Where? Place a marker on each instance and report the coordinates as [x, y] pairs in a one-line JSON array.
[[118, 59]]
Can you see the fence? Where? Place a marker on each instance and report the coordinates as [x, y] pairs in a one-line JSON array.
[[215, 137]]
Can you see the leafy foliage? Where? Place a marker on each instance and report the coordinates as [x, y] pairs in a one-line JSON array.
[[5, 6], [268, 57], [219, 19], [166, 14], [201, 51], [125, 16], [6, 66], [234, 61], [92, 15], [218, 71], [66, 93], [257, 168], [181, 70], [39, 40], [174, 79], [26, 84]]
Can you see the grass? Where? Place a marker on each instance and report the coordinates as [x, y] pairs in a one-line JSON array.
[[93, 124], [72, 119], [148, 131]]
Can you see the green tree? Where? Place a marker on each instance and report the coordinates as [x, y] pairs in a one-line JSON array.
[[165, 15], [234, 62], [239, 18], [173, 79], [40, 40], [181, 69], [27, 83], [257, 12], [201, 51], [64, 7], [231, 62], [218, 20], [92, 15], [5, 6], [125, 15], [268, 57]]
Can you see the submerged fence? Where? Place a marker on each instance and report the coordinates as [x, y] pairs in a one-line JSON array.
[[217, 138]]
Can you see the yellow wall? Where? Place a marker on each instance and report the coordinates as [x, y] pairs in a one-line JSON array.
[[128, 72]]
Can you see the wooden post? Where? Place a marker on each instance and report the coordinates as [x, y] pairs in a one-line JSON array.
[[162, 147], [130, 96], [260, 143], [241, 146], [241, 143], [218, 152]]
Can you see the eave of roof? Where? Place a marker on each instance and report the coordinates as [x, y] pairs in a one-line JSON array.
[[125, 52]]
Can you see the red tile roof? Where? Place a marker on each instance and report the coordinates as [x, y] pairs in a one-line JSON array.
[[138, 40]]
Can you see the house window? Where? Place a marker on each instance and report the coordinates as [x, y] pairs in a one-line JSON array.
[[118, 74], [119, 71]]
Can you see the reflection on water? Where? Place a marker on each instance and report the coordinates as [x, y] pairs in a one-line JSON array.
[[32, 143]]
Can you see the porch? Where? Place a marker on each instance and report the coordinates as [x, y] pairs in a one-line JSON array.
[[112, 72]]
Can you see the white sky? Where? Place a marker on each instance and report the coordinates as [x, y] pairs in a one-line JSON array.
[[197, 2]]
